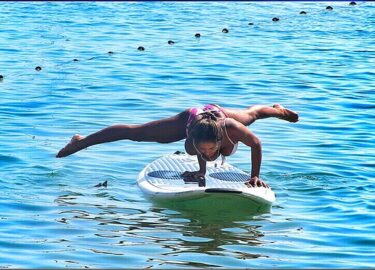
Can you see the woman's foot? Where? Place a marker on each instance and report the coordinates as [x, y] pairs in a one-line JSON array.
[[286, 114], [71, 147]]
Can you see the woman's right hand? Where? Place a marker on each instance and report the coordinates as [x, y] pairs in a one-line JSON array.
[[193, 176], [256, 182]]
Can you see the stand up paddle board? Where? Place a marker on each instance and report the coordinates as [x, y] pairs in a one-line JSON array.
[[162, 179]]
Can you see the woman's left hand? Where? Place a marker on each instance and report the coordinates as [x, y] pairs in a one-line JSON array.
[[256, 182], [193, 176]]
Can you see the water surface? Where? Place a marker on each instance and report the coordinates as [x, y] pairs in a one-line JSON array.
[[321, 169]]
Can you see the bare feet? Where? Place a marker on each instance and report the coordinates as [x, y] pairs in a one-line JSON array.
[[71, 147], [286, 114]]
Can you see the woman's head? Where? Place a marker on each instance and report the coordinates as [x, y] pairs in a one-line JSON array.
[[207, 134], [206, 129]]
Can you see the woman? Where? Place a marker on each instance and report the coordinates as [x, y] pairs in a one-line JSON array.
[[209, 132]]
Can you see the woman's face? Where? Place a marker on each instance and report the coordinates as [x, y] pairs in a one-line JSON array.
[[208, 149]]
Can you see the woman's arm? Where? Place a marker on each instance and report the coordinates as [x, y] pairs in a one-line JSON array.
[[196, 175], [202, 165], [241, 133]]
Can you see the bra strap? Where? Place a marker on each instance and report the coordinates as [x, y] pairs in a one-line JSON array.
[[226, 132]]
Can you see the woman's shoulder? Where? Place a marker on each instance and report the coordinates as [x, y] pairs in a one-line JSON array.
[[189, 146], [231, 123], [234, 128]]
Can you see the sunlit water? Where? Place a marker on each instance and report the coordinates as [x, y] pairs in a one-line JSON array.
[[322, 169]]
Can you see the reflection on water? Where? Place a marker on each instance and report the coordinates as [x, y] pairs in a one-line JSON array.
[[211, 221], [204, 225]]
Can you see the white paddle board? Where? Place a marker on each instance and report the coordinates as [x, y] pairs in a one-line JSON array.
[[162, 179]]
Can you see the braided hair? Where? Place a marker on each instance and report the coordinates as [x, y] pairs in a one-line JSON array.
[[206, 128]]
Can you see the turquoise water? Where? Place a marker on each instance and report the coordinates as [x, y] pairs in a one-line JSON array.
[[322, 168]]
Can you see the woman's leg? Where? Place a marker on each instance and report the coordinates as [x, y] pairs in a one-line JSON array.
[[166, 130], [253, 113]]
